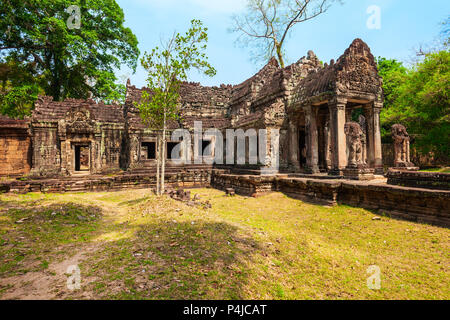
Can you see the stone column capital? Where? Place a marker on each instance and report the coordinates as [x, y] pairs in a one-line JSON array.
[[376, 110], [338, 102], [307, 109], [378, 105]]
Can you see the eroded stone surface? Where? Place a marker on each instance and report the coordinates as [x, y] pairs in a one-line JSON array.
[[309, 103]]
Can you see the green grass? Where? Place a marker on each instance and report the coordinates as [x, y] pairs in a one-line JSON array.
[[272, 247], [443, 170], [30, 233]]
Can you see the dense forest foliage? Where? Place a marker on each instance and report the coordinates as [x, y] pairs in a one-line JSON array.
[[61, 48], [419, 98]]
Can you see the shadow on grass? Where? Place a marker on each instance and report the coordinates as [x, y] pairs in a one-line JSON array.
[[30, 233], [168, 260]]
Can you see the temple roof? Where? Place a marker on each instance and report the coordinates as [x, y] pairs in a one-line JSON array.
[[302, 81], [48, 110], [7, 122], [355, 70]]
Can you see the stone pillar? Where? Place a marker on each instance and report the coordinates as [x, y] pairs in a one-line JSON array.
[[293, 146], [372, 112], [327, 133], [338, 137], [312, 149]]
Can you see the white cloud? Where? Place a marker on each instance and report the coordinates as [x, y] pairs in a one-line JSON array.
[[210, 6]]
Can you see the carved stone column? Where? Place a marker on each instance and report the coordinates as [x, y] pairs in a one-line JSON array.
[[293, 146], [372, 112], [312, 148], [338, 137], [327, 133]]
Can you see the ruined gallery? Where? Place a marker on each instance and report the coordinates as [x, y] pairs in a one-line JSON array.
[[329, 142]]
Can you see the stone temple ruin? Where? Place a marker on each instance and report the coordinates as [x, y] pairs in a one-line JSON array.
[[328, 117]]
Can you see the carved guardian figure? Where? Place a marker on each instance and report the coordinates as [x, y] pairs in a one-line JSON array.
[[355, 146], [401, 146]]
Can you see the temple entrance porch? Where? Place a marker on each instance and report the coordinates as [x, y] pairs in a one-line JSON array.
[[318, 141]]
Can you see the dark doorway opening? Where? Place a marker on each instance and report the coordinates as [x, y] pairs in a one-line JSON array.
[[203, 145], [170, 147], [82, 158], [302, 147], [149, 150]]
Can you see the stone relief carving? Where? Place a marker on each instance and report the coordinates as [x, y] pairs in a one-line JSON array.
[[363, 125], [78, 120]]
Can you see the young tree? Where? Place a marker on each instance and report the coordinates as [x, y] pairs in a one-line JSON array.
[[67, 61], [167, 67], [267, 24]]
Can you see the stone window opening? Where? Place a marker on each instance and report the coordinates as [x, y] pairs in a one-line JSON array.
[[205, 148], [148, 150], [169, 148]]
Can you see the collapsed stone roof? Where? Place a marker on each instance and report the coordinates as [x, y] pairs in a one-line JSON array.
[[7, 122], [52, 111], [300, 83], [198, 103]]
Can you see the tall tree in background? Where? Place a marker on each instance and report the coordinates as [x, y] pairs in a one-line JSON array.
[[394, 75], [422, 103], [267, 24], [167, 67], [63, 62], [419, 97]]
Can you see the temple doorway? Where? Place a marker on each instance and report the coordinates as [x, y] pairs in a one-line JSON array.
[[82, 161]]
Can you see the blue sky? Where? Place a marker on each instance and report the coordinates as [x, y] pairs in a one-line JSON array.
[[405, 24]]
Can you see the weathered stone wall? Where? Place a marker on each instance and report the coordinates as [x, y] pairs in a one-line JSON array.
[[420, 160], [15, 148], [110, 148], [414, 204], [182, 179], [46, 155], [427, 180]]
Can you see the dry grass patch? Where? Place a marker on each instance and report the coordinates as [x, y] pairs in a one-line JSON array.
[[272, 247]]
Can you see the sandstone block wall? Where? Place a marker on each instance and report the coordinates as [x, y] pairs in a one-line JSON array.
[[413, 204], [427, 180], [15, 152]]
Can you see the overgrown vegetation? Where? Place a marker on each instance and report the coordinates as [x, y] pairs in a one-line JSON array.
[[40, 53], [274, 247], [419, 98]]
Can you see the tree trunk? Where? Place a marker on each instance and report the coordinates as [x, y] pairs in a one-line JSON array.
[[280, 56], [163, 170], [158, 163]]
